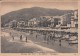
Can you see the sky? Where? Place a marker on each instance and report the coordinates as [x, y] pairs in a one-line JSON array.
[[36, 0], [12, 6]]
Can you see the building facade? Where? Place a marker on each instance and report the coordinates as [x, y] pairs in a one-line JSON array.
[[13, 24], [21, 24], [33, 22]]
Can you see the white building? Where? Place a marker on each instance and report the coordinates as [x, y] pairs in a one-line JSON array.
[[74, 19], [21, 24], [13, 24], [33, 22]]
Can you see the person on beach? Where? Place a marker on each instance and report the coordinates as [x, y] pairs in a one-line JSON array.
[[44, 36], [60, 42], [47, 40], [21, 38], [36, 36], [50, 36], [26, 38], [10, 33], [13, 37]]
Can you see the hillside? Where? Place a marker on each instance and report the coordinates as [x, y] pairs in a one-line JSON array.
[[28, 13]]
